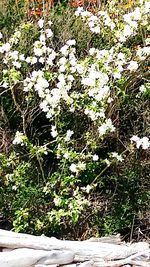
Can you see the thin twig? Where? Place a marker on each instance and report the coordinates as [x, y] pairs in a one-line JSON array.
[[5, 91], [128, 260]]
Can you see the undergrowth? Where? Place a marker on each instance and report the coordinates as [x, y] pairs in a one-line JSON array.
[[75, 164]]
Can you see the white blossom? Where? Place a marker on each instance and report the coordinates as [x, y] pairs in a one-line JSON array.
[[87, 189], [71, 42], [107, 162], [70, 78], [92, 51], [68, 135], [91, 24], [66, 155], [18, 138], [14, 55], [42, 38], [38, 51], [49, 33], [143, 52], [78, 12], [88, 81], [109, 100], [44, 106], [41, 83], [61, 79], [22, 57], [117, 156], [145, 143], [41, 23], [17, 34], [81, 166], [133, 65], [64, 50], [117, 75], [17, 64], [50, 23], [62, 68], [142, 89], [28, 59], [136, 14], [5, 84], [141, 142], [79, 68], [57, 201], [107, 126], [41, 60], [147, 6], [73, 168], [6, 47], [54, 132], [95, 157], [95, 29], [33, 60]]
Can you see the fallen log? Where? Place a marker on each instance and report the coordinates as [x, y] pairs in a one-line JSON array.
[[112, 239], [83, 250], [136, 260], [25, 257], [23, 250]]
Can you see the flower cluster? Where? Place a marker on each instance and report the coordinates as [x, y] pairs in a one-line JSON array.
[[91, 20], [72, 104], [140, 142], [127, 28], [86, 86], [19, 139]]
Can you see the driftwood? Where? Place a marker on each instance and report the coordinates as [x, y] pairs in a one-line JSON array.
[[112, 239], [41, 251], [26, 257]]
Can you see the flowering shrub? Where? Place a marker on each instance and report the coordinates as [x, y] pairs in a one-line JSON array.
[[75, 95]]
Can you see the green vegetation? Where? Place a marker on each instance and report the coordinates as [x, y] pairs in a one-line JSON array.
[[74, 120]]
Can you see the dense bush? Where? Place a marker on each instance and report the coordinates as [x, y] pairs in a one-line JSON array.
[[74, 121]]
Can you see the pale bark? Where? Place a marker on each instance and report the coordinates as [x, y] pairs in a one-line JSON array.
[[25, 257], [113, 239], [136, 260], [40, 251], [83, 250]]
